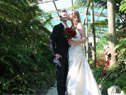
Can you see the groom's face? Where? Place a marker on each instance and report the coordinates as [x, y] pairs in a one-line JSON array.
[[63, 16]]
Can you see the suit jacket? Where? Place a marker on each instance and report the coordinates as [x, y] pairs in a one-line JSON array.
[[58, 43]]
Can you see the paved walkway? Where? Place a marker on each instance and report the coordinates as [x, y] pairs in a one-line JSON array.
[[52, 90]]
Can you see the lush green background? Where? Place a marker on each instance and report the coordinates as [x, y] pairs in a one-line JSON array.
[[115, 75], [25, 57]]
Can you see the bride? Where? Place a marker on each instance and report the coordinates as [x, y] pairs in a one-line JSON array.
[[80, 80]]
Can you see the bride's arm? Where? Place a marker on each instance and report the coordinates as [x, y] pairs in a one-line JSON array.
[[82, 33]]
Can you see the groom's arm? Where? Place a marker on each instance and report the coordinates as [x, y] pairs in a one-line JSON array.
[[53, 39]]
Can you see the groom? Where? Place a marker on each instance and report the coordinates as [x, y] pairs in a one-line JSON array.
[[59, 48]]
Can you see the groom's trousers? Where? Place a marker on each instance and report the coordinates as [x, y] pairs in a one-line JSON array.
[[61, 74]]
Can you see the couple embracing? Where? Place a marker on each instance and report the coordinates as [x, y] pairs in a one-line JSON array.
[[73, 73]]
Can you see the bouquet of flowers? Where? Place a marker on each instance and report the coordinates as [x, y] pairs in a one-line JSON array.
[[69, 33]]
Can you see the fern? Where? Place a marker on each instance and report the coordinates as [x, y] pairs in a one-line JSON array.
[[102, 24], [24, 48], [121, 43], [123, 6]]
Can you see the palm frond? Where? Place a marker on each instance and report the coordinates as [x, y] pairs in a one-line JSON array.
[[123, 6]]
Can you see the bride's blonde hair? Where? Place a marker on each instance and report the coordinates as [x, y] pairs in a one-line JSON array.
[[76, 18]]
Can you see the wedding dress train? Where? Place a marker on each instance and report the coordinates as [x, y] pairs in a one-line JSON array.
[[80, 79]]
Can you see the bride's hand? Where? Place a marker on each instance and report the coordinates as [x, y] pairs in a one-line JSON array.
[[71, 42]]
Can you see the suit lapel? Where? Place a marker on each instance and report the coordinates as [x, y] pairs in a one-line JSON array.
[[61, 25], [62, 29]]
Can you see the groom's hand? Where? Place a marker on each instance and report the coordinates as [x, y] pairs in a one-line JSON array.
[[58, 56]]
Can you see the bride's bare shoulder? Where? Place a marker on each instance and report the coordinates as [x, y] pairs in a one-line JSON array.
[[80, 26]]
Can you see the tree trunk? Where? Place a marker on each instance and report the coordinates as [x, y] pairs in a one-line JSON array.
[[111, 26], [93, 33]]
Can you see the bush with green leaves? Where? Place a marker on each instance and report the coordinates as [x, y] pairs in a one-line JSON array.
[[25, 57], [123, 6], [116, 76], [121, 46], [98, 74]]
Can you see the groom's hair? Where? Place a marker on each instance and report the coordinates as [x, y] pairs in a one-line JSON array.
[[64, 10]]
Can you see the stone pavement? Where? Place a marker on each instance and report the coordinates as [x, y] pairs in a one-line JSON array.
[[52, 91]]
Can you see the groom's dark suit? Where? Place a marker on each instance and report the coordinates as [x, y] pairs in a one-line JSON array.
[[59, 45]]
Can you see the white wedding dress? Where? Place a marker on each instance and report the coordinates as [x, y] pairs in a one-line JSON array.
[[80, 79]]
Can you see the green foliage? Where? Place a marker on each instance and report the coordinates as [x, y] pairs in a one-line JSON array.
[[98, 74], [120, 22], [25, 57], [80, 3], [115, 75], [100, 53], [90, 61], [103, 40], [121, 45], [102, 24], [121, 49], [123, 6], [99, 25]]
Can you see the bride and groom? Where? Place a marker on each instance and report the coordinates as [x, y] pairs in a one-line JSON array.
[[73, 73]]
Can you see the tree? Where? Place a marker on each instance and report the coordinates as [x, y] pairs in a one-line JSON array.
[[93, 34], [111, 26]]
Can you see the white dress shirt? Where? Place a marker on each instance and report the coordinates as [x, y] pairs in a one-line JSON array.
[[65, 26]]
